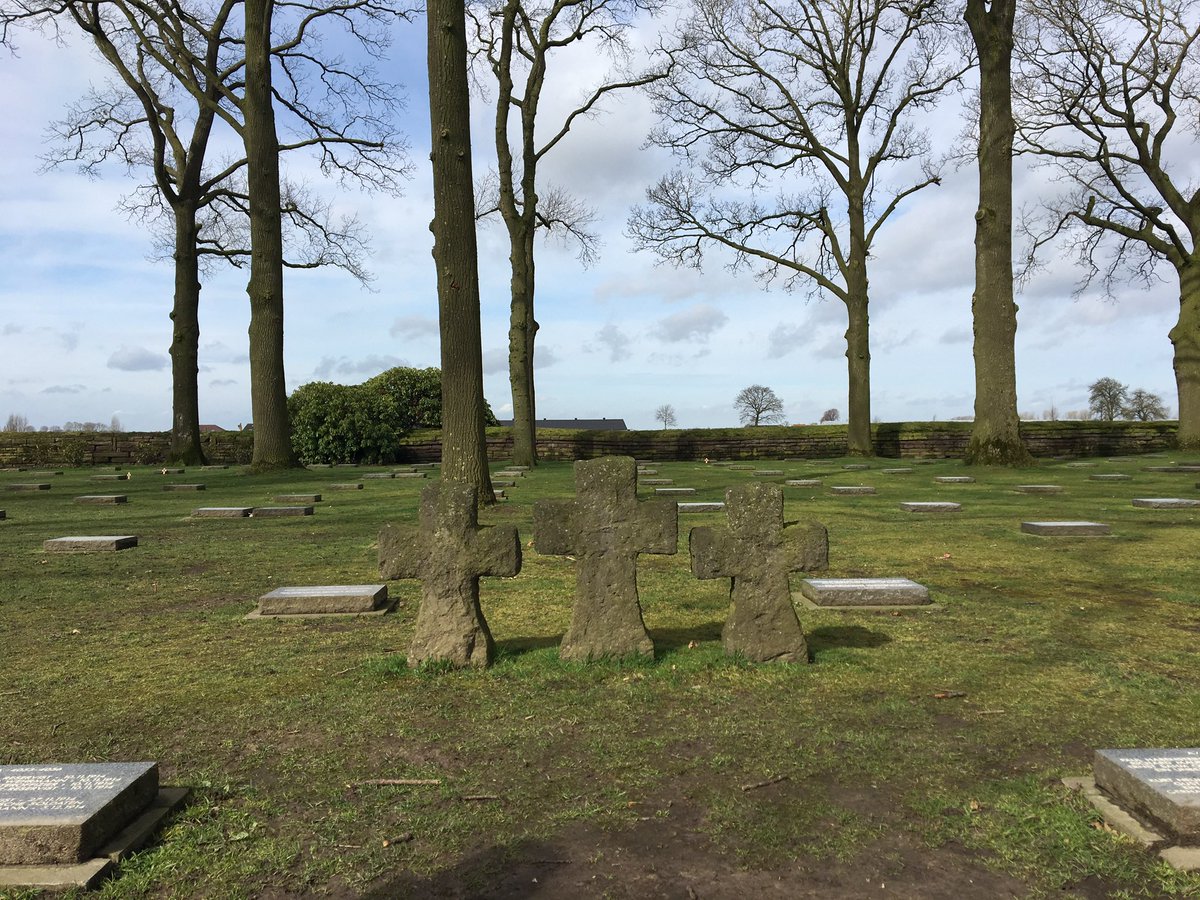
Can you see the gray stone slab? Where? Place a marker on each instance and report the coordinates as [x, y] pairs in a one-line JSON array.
[[1081, 465], [297, 498], [954, 479], [1162, 784], [63, 814], [803, 482], [323, 600], [1178, 469], [383, 474], [90, 543], [864, 592], [1165, 503], [499, 494], [929, 507], [102, 498], [902, 470], [214, 467], [183, 487], [280, 512], [768, 473], [503, 483], [222, 512], [1038, 488], [1066, 529], [741, 468], [649, 481], [347, 486], [513, 468], [171, 471], [642, 471], [702, 506], [410, 474], [43, 474], [845, 490], [1113, 814], [511, 473], [41, 486], [401, 469], [674, 491], [1110, 477], [855, 467], [124, 476]]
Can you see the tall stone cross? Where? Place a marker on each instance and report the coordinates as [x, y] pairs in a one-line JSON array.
[[605, 528], [758, 550], [449, 551]]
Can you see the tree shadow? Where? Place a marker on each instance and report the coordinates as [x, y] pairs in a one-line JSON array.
[[834, 637], [668, 639], [515, 647]]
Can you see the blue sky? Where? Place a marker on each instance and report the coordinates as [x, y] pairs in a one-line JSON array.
[[84, 326]]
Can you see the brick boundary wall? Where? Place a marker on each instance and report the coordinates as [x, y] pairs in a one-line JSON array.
[[900, 440]]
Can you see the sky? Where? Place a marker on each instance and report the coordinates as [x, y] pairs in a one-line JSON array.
[[84, 327]]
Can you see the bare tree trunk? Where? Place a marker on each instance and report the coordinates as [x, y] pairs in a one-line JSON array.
[[464, 450], [996, 434], [521, 333], [858, 333], [185, 343], [268, 391], [1185, 337]]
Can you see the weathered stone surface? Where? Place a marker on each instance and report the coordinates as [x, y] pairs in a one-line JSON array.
[[410, 474], [297, 498], [102, 499], [605, 528], [449, 551], [930, 507], [864, 592], [90, 543], [855, 467], [849, 489], [650, 481], [512, 473], [1066, 529], [756, 551], [767, 473], [183, 487], [1180, 469], [323, 600], [170, 471], [124, 476], [41, 486], [1165, 503], [383, 474], [215, 466], [347, 486], [1160, 784], [954, 479], [63, 814], [642, 471], [43, 474], [1038, 488], [1112, 477], [674, 491], [803, 482], [703, 506], [280, 512], [503, 483], [222, 512], [741, 468], [499, 495], [902, 470], [1081, 465]]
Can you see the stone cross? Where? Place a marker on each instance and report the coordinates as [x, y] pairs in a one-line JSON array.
[[757, 550], [449, 551], [605, 528]]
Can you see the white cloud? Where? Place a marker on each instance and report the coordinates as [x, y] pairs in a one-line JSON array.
[[615, 341], [137, 359], [414, 327], [695, 324], [784, 338], [369, 366], [495, 361], [64, 389]]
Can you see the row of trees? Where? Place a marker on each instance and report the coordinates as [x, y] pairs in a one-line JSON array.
[[17, 422], [1108, 399]]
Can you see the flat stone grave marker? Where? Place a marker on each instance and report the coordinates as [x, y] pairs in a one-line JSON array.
[[43, 474], [102, 498], [90, 543], [1165, 503], [642, 471], [954, 479], [351, 486], [848, 489], [324, 600], [183, 487], [499, 494], [929, 507], [1038, 488], [604, 528], [380, 475], [649, 481], [1179, 469], [803, 482], [741, 468], [503, 483], [1110, 477], [124, 476], [702, 506], [1066, 529], [864, 592], [65, 825], [171, 471], [42, 486], [1162, 785], [674, 491], [214, 467], [280, 512], [410, 474], [222, 512], [902, 470], [398, 470], [855, 467], [767, 473], [449, 551], [297, 498], [1081, 465], [512, 473], [756, 551]]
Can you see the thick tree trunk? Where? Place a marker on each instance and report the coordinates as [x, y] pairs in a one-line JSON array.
[[1185, 337], [522, 331], [464, 451], [185, 343], [995, 436], [858, 331], [268, 392]]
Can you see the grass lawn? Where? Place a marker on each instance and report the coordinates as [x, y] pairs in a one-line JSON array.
[[919, 755]]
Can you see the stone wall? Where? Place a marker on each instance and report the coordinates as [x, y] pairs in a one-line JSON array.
[[43, 448]]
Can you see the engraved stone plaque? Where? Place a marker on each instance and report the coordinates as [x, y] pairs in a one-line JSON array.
[[1161, 784], [864, 592]]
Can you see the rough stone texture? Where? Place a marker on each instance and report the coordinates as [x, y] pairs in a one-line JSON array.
[[855, 467], [1174, 470], [499, 495], [934, 507], [803, 482], [903, 470], [90, 543], [864, 592], [347, 486], [642, 471], [1081, 465], [410, 474], [517, 469], [503, 483], [954, 479], [1113, 477], [449, 551], [222, 512], [1113, 814], [28, 487], [323, 600], [1161, 784], [847, 489], [673, 491], [768, 473], [383, 474], [740, 468], [649, 481], [102, 498], [1068, 529], [1165, 503], [1038, 488], [756, 551], [183, 487], [279, 512], [297, 498], [605, 528], [703, 506], [62, 814], [121, 477]]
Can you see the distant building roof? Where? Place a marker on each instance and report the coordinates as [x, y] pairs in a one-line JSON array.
[[585, 424], [204, 428]]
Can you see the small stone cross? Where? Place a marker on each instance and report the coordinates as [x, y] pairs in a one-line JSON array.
[[605, 528], [757, 550], [449, 551]]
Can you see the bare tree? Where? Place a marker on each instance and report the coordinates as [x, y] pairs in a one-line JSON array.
[[1109, 97], [1106, 398], [1144, 406], [666, 415], [516, 42], [17, 422], [830, 415], [759, 405], [813, 99]]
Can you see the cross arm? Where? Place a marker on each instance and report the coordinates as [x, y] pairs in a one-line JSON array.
[[496, 550], [401, 551], [806, 546], [708, 548], [554, 527], [657, 529]]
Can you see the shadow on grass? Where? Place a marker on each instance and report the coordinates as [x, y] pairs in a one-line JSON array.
[[842, 637], [502, 871], [669, 639], [514, 647]]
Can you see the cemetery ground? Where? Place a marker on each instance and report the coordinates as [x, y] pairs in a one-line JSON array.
[[920, 755]]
